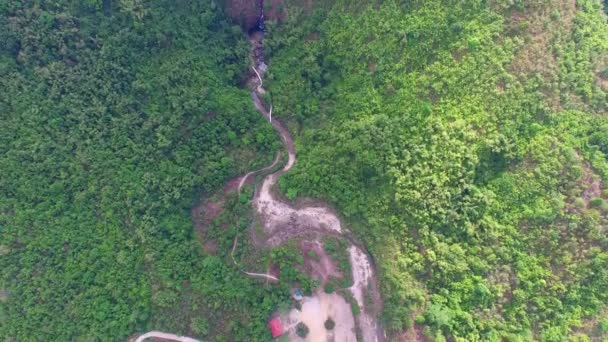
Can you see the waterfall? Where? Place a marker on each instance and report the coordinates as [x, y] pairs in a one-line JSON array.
[[261, 25]]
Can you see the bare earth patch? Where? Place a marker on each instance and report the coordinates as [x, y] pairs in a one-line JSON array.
[[318, 264], [315, 311]]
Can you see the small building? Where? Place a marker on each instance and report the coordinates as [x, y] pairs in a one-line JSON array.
[[297, 295], [276, 327]]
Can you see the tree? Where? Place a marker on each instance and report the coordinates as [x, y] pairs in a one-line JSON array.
[[302, 330]]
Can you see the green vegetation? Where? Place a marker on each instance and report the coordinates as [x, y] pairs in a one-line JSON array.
[[336, 249], [302, 330], [330, 288], [112, 126], [465, 142]]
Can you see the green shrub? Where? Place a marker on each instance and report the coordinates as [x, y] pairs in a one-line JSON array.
[[330, 324], [355, 307], [599, 203], [200, 326], [313, 255], [579, 203], [603, 326], [302, 330]]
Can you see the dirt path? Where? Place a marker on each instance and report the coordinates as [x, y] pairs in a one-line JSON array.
[[315, 311], [164, 336], [252, 274], [251, 173], [281, 221]]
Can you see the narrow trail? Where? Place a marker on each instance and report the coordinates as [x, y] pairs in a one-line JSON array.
[[281, 221], [251, 173], [164, 336], [252, 274]]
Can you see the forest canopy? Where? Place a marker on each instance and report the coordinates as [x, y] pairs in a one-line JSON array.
[[112, 126], [463, 142]]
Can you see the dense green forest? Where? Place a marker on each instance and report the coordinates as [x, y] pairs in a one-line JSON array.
[[464, 142], [112, 127]]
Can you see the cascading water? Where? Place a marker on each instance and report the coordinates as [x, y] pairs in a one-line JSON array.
[[260, 24]]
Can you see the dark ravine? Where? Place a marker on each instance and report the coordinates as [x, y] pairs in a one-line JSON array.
[[247, 13], [261, 20]]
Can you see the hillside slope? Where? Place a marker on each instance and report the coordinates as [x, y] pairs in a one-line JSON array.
[[465, 142], [112, 126]]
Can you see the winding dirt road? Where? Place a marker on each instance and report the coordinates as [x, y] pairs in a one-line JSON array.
[[164, 336], [282, 221]]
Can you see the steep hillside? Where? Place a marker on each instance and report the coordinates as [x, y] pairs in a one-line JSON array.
[[465, 142]]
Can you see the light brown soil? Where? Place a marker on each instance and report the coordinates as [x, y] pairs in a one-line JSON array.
[[318, 264], [317, 309]]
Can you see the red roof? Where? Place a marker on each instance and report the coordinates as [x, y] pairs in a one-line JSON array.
[[276, 328]]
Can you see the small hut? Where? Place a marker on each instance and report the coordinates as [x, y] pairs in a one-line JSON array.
[[276, 327]]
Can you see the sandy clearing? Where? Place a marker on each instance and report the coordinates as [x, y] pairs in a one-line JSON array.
[[281, 221], [362, 276], [362, 272], [278, 215], [315, 311]]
